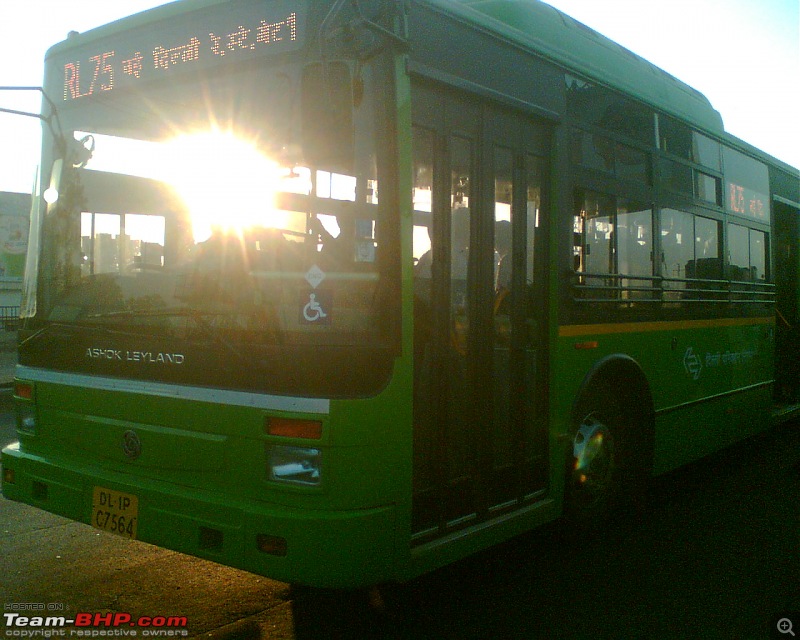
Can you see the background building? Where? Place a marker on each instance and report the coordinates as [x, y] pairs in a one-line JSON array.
[[14, 224]]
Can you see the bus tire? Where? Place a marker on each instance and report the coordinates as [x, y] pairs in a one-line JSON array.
[[607, 457]]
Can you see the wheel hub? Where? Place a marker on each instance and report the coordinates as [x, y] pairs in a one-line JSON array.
[[593, 455]]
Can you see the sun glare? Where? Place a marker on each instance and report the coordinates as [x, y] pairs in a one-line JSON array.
[[226, 183]]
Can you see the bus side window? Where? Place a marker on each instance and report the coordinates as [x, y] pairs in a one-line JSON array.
[[503, 257], [460, 225], [423, 232]]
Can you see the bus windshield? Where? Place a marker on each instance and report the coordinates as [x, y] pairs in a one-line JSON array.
[[257, 230]]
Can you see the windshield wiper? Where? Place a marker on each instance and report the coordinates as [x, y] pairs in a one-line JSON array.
[[43, 331], [145, 313], [199, 317]]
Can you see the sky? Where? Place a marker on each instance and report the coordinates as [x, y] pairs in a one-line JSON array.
[[744, 55]]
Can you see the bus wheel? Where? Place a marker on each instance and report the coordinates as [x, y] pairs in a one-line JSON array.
[[607, 462], [593, 474]]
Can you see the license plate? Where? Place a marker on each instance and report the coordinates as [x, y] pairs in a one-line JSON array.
[[115, 512]]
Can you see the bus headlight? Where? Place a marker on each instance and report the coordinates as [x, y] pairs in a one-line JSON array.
[[26, 417], [294, 465]]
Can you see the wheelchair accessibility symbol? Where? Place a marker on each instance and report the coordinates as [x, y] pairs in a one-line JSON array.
[[314, 309]]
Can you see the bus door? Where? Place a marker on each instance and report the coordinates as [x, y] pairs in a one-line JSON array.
[[516, 149], [787, 278], [478, 445]]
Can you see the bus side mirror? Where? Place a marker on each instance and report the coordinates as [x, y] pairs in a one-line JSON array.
[[327, 117]]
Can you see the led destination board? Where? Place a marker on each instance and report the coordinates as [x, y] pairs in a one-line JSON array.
[[747, 182], [748, 202], [230, 34]]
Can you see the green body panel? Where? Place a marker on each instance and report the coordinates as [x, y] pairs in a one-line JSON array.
[[711, 381], [335, 548], [204, 465], [692, 432]]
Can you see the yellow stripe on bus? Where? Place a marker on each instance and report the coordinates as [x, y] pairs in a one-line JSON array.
[[574, 330]]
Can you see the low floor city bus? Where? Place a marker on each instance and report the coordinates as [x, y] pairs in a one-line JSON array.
[[339, 293]]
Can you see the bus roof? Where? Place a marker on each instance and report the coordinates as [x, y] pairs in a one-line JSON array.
[[548, 32], [533, 25], [170, 9]]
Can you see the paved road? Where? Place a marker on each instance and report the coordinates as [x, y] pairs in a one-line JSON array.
[[717, 556]]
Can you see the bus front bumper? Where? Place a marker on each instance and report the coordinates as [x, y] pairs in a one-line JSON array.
[[334, 549]]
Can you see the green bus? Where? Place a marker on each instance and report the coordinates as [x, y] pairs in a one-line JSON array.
[[313, 293]]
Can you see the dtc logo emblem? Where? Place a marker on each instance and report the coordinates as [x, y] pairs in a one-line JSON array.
[[131, 445], [692, 363]]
